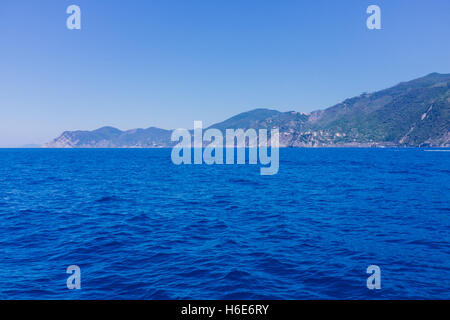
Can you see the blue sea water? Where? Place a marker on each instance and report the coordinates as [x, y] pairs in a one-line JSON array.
[[141, 227]]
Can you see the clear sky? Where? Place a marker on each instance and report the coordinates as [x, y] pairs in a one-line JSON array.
[[166, 63]]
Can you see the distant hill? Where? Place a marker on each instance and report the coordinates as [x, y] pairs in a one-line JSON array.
[[414, 113], [109, 137]]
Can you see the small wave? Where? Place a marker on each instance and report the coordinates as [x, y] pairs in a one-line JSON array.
[[437, 150], [237, 275], [109, 199], [244, 182]]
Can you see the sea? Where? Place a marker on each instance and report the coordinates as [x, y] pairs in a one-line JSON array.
[[140, 227]]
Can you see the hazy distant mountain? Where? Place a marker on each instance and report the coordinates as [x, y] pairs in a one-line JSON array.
[[30, 146], [414, 113], [109, 137]]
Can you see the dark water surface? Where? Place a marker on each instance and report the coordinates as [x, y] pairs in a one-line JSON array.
[[142, 228]]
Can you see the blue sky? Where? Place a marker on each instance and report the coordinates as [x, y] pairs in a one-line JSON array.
[[167, 63]]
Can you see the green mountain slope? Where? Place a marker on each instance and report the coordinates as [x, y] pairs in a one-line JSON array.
[[414, 113]]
